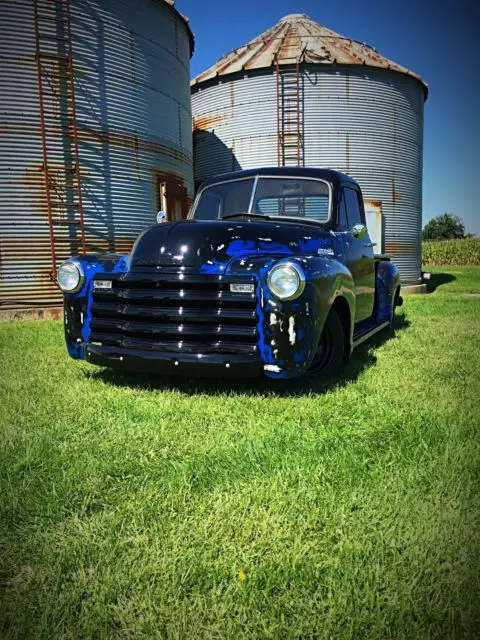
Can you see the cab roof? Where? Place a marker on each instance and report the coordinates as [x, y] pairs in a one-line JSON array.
[[336, 178]]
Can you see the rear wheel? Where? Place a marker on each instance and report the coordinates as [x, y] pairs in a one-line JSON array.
[[331, 348]]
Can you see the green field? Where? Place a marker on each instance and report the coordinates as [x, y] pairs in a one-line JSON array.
[[135, 507]]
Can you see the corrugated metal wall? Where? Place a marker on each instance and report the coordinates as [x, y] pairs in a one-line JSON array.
[[363, 121], [131, 63]]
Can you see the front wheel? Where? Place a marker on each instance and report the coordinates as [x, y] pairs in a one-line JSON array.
[[331, 348], [397, 301]]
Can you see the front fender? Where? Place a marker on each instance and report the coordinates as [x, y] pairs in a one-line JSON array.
[[290, 330], [77, 313], [387, 283]]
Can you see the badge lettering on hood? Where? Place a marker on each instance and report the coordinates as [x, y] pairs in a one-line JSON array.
[[325, 251]]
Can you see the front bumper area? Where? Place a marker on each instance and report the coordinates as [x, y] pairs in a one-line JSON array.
[[165, 363]]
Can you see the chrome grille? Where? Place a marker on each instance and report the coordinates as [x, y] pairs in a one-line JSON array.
[[175, 313]]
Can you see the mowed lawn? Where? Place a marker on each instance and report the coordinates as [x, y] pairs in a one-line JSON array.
[[136, 507]]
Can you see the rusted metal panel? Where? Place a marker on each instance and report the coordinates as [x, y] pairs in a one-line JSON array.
[[207, 122], [366, 121], [37, 313], [133, 123], [296, 37]]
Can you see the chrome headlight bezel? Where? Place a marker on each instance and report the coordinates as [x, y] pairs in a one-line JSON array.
[[288, 268], [81, 276]]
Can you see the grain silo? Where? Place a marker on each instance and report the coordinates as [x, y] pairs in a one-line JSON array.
[[96, 132], [301, 94]]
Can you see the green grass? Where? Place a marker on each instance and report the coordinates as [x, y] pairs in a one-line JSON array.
[[136, 508]]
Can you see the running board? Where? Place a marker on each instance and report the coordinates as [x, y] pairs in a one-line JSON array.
[[368, 333]]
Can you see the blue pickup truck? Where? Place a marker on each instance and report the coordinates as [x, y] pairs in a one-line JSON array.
[[273, 273]]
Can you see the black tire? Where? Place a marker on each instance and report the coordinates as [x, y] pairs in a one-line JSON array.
[[329, 357], [396, 295]]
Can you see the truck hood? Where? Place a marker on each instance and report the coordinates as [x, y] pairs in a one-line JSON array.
[[210, 246]]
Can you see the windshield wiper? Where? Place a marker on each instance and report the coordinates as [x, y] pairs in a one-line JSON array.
[[246, 215], [301, 220]]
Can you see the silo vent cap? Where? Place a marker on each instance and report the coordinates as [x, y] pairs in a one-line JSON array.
[[294, 16]]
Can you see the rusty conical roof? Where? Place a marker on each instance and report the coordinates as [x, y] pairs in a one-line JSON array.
[[298, 38]]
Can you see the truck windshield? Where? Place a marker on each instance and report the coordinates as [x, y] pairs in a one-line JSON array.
[[268, 196]]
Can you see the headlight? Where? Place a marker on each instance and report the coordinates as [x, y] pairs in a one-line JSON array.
[[70, 277], [286, 281]]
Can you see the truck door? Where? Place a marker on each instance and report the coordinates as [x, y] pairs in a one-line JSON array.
[[358, 252]]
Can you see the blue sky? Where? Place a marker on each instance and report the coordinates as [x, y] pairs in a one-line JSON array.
[[434, 39]]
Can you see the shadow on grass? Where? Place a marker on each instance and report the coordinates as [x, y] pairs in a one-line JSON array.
[[362, 358], [438, 279]]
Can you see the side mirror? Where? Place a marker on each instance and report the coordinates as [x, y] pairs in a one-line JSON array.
[[161, 217], [359, 231]]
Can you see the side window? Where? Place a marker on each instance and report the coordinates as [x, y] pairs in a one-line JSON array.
[[353, 207], [342, 212]]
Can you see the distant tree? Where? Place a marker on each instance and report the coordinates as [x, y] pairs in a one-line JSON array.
[[444, 227]]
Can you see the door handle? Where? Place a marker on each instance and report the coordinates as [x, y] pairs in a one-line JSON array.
[[370, 244]]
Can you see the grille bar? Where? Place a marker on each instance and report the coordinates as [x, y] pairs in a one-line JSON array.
[[131, 278], [184, 346], [192, 314], [172, 295], [178, 330]]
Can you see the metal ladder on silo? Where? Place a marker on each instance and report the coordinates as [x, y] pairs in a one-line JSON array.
[[289, 116], [53, 48]]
